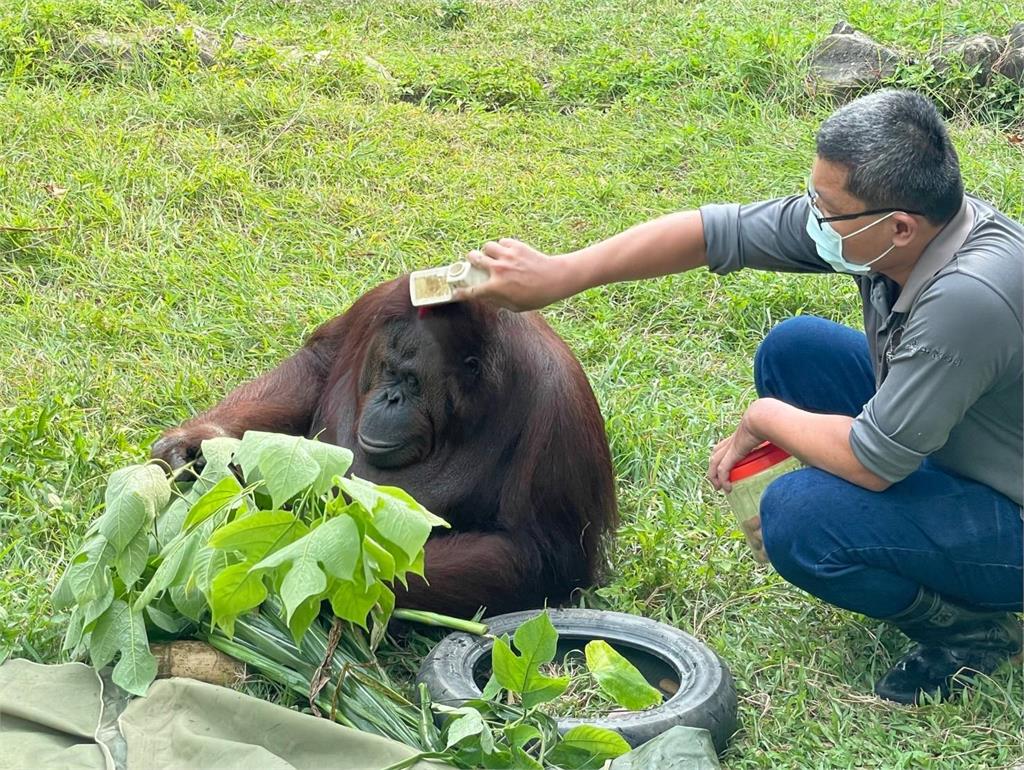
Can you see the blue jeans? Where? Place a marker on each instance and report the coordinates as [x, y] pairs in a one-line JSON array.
[[870, 551]]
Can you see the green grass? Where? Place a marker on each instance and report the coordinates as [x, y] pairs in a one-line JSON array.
[[215, 216]]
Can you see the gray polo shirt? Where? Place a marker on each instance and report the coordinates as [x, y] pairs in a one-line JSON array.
[[947, 349]]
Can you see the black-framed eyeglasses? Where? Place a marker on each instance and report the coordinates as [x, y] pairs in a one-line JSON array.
[[812, 197]]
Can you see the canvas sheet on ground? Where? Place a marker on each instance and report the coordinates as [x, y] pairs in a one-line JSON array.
[[69, 716]]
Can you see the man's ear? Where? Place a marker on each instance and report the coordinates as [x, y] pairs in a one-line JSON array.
[[906, 228]]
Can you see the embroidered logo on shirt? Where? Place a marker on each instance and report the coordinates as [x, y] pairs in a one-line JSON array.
[[915, 348]]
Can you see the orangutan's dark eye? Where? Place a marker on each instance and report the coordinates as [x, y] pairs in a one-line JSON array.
[[411, 381], [473, 364]]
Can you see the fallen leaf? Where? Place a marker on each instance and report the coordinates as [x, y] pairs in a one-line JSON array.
[[55, 190]]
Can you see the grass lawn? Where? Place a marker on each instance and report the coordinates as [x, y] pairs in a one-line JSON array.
[[208, 218]]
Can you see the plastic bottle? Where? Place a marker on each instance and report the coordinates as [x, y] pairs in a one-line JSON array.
[[750, 477], [435, 285]]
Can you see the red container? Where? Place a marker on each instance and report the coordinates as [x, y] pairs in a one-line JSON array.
[[760, 458], [749, 478]]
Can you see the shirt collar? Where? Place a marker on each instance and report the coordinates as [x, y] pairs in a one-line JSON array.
[[936, 255]]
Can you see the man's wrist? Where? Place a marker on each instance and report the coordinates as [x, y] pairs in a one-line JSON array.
[[572, 274], [762, 415]]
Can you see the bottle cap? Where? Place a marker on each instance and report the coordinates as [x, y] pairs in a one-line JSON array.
[[761, 458]]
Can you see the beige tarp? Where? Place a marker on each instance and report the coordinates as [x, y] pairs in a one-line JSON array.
[[69, 717]]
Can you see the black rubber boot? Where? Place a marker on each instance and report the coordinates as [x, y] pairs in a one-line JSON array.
[[951, 638]]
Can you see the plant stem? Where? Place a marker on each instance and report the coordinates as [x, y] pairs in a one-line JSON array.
[[444, 621]]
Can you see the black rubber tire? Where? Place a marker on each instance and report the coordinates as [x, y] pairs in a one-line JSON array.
[[706, 696]]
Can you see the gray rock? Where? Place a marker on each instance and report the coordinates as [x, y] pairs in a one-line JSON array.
[[102, 50], [975, 51], [847, 61], [1011, 65], [1016, 37], [208, 43]]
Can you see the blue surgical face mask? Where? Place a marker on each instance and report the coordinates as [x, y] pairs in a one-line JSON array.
[[829, 244]]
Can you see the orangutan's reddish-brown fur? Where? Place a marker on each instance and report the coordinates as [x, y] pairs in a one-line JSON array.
[[507, 441]]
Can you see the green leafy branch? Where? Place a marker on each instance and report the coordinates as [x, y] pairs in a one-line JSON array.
[[490, 732], [292, 527]]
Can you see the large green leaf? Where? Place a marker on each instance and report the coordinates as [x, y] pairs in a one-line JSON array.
[[291, 464], [353, 600], [235, 589], [131, 562], [259, 533], [513, 673], [304, 580], [133, 497], [397, 518], [206, 564], [287, 469], [332, 461], [88, 577], [189, 601], [226, 494], [218, 453], [536, 640], [394, 521], [288, 465], [176, 559], [619, 678], [334, 544], [303, 617], [110, 634], [587, 748], [170, 621], [469, 723], [97, 606], [136, 669], [250, 449]]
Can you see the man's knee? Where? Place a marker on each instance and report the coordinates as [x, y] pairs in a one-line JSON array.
[[786, 343], [815, 364], [793, 514]]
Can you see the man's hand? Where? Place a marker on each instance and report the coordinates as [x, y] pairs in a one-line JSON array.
[[522, 278], [818, 440], [730, 451]]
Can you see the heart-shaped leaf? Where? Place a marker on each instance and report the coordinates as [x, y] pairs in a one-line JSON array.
[[587, 747], [136, 669], [226, 494], [334, 544], [258, 534], [133, 497], [619, 678], [235, 589]]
